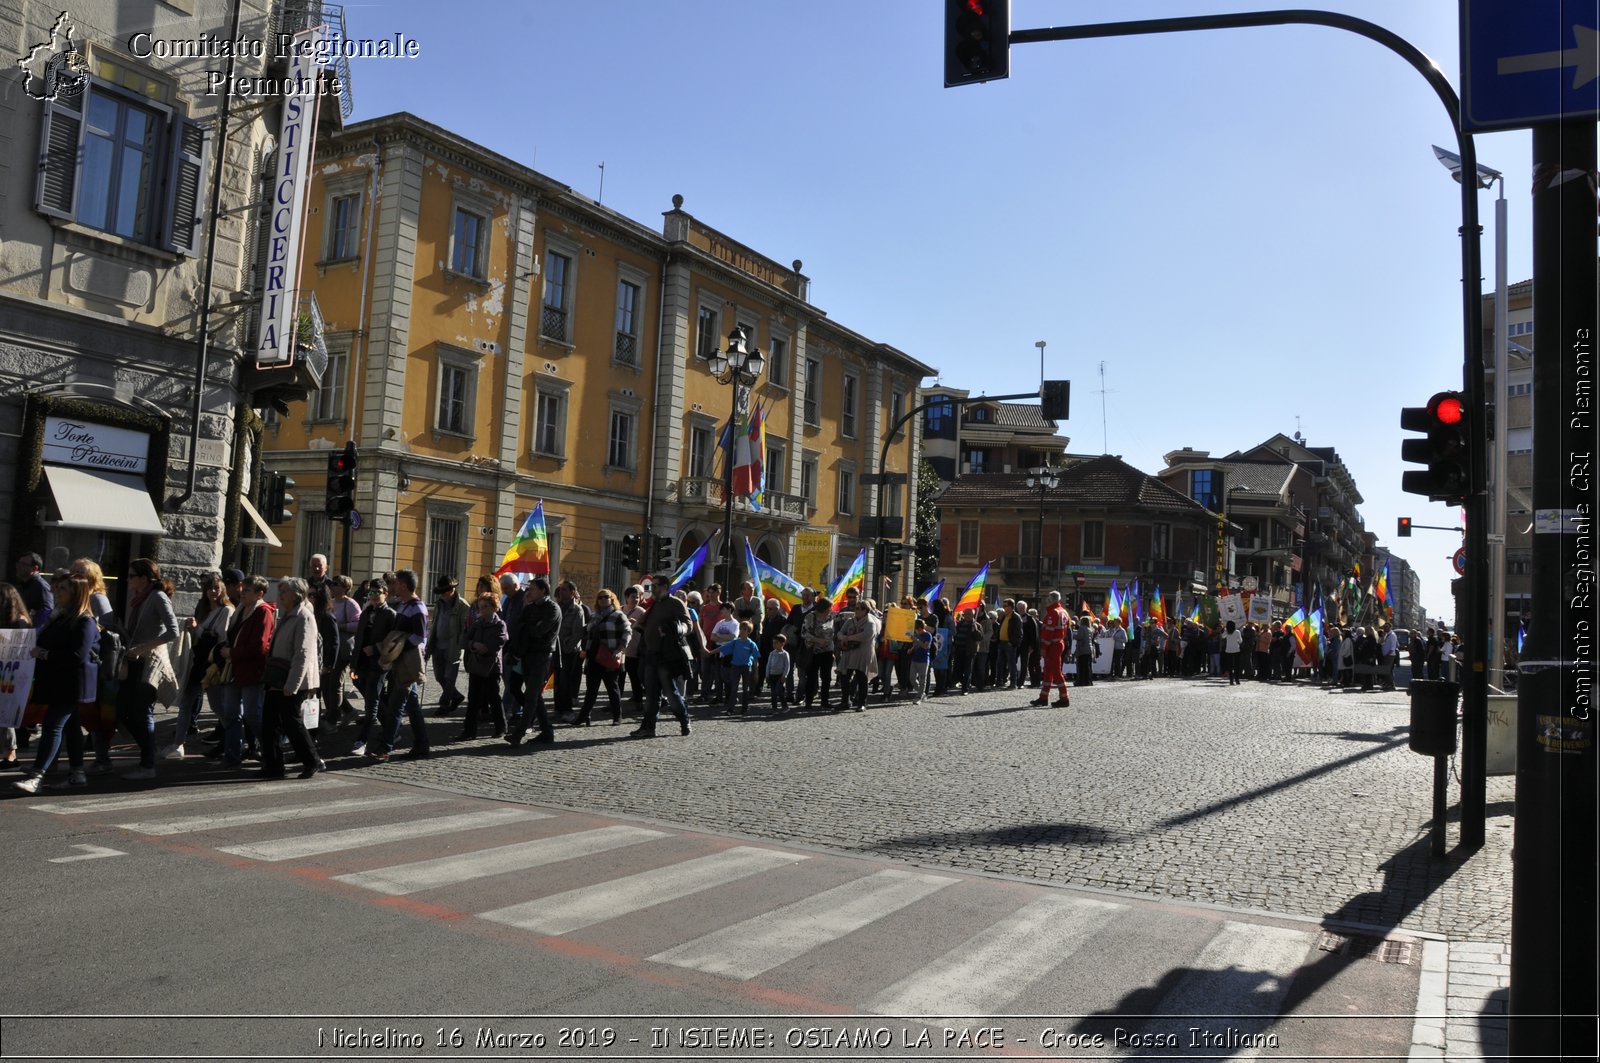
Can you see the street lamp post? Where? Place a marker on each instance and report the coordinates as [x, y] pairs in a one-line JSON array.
[[1045, 479], [1497, 456], [738, 367]]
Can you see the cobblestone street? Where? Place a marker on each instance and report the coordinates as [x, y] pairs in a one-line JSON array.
[[1277, 798]]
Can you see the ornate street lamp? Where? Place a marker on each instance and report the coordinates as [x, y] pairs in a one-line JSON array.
[[1045, 479], [739, 366]]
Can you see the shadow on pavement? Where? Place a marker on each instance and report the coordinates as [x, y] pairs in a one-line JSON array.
[[1381, 744], [1038, 833], [1409, 878]]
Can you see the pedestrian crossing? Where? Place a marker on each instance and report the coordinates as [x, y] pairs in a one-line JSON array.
[[711, 908]]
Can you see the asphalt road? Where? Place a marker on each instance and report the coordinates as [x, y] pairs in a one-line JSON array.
[[1205, 837]]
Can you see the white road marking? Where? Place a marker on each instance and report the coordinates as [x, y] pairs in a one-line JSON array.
[[378, 834], [561, 912], [401, 879], [182, 795], [983, 973], [90, 852], [285, 814], [763, 942]]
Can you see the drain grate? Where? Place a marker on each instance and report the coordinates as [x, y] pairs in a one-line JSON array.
[[1384, 950]]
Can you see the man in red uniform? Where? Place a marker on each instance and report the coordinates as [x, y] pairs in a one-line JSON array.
[[1053, 641]]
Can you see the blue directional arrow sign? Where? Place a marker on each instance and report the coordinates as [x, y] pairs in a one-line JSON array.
[[1526, 62]]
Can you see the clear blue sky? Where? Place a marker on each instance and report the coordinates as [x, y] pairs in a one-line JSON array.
[[1247, 227]]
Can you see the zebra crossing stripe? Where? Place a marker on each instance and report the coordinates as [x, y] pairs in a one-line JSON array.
[[1244, 973], [1245, 969], [574, 909], [182, 795], [378, 834], [401, 879], [983, 973], [285, 814], [763, 942]]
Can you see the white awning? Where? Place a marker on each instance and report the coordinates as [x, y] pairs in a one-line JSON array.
[[267, 536], [102, 500]]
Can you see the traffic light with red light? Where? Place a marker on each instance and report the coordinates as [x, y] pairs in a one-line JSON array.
[[341, 499], [976, 41], [1443, 449], [1404, 530]]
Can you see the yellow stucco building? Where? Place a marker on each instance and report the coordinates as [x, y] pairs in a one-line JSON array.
[[496, 338]]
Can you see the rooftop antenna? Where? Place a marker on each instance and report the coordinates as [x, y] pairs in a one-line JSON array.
[[1105, 447], [1298, 437], [601, 198]]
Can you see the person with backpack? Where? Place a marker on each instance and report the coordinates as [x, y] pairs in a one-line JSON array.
[[817, 632], [575, 617], [605, 639], [534, 645], [377, 620], [665, 648], [485, 636], [65, 644]]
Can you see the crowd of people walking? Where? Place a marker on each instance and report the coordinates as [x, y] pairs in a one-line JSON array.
[[284, 666]]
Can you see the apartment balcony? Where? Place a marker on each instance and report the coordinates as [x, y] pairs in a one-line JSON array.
[[703, 493], [1019, 565], [1166, 566], [297, 15], [279, 385]]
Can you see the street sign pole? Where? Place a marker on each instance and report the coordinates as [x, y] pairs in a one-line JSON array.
[[1554, 896]]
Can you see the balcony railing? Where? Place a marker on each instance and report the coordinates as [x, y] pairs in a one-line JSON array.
[[297, 15], [706, 491], [627, 349], [1027, 563], [1166, 566], [553, 324]]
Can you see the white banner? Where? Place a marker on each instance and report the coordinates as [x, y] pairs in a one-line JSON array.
[[1230, 607], [16, 673], [280, 304], [1260, 609], [1102, 663]]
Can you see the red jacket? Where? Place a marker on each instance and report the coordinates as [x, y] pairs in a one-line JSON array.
[[1055, 625], [251, 640]]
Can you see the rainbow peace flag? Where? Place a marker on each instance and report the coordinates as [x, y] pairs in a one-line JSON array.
[[1158, 610], [931, 595], [772, 581], [692, 564], [853, 576], [1383, 583], [1135, 604], [1298, 630], [1115, 605], [972, 593], [530, 550]]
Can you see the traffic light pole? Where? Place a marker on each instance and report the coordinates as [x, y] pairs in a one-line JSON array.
[[888, 438], [1475, 688], [1554, 893]]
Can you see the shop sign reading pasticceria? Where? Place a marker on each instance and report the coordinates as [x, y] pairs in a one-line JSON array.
[[94, 446]]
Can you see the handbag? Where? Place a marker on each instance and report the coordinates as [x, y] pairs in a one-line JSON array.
[[275, 672], [607, 658]]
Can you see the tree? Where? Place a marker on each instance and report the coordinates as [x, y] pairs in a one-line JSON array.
[[925, 539]]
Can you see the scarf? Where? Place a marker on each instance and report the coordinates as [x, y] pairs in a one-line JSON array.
[[138, 602]]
